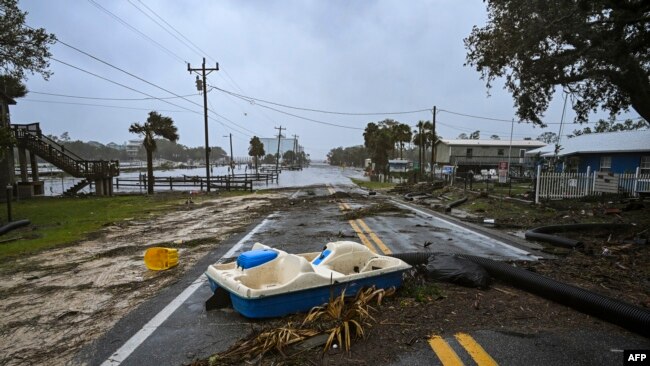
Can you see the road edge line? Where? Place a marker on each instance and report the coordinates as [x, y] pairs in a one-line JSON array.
[[523, 252], [122, 353]]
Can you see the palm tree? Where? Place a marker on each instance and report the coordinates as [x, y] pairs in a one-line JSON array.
[[256, 149], [401, 134], [156, 125], [422, 139]]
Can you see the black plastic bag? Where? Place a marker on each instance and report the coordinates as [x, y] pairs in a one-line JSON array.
[[449, 268]]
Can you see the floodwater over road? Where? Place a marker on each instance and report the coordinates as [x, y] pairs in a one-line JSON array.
[[312, 175]]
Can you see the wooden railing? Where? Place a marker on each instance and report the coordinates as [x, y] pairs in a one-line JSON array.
[[489, 160], [30, 137]]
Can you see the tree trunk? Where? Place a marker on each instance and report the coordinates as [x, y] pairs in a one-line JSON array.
[[640, 101], [637, 84], [433, 146], [150, 171], [256, 172]]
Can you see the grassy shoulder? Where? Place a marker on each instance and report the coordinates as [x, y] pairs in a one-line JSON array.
[[372, 185], [60, 221]]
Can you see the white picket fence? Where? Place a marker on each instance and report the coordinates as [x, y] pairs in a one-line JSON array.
[[576, 185]]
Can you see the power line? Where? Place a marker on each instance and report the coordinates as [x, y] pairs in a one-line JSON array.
[[105, 98], [472, 130], [234, 130], [152, 40], [257, 100], [109, 80], [300, 117], [510, 120], [189, 44], [126, 24], [96, 105], [139, 78], [161, 26], [176, 30], [132, 89], [195, 48]]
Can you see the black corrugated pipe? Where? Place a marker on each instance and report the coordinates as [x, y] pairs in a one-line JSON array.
[[413, 258], [454, 204], [632, 317], [412, 195], [13, 225], [543, 233]]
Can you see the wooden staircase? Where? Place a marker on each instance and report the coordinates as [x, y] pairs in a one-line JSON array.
[[76, 188], [30, 137]]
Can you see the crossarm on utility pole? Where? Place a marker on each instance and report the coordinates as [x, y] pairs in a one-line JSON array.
[[203, 70]]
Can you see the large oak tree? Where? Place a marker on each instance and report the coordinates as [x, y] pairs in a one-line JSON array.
[[379, 141], [597, 50], [22, 48]]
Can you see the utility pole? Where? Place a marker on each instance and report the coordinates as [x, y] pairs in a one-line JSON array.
[[421, 148], [232, 161], [202, 84], [295, 148], [277, 156], [512, 127], [433, 144]]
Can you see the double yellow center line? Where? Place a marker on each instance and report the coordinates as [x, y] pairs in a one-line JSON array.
[[449, 357], [363, 231], [445, 353]]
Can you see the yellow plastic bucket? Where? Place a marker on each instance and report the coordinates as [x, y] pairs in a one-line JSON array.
[[158, 258]]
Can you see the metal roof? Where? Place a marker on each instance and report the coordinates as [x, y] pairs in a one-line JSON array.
[[467, 142], [605, 142]]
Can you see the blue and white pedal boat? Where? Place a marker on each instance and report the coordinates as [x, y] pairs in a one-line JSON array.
[[267, 282]]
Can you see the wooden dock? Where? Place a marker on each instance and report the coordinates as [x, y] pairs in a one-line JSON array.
[[219, 182]]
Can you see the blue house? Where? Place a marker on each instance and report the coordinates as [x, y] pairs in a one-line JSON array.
[[616, 152]]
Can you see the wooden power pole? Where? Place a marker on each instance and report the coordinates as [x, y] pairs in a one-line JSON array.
[[433, 143], [277, 156], [202, 84], [295, 149]]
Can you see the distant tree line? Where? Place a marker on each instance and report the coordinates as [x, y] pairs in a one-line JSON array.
[[387, 139], [348, 156], [165, 149]]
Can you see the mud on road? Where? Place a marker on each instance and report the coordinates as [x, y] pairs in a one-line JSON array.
[[56, 301]]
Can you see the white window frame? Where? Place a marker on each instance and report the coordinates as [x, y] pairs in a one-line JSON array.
[[605, 164], [644, 166]]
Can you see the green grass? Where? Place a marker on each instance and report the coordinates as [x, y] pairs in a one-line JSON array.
[[501, 189], [60, 221], [424, 291], [372, 185], [504, 190]]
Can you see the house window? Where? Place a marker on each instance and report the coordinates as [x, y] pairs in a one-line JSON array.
[[500, 152], [605, 163], [645, 165], [522, 153], [468, 153]]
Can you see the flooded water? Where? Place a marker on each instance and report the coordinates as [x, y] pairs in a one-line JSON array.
[[314, 175]]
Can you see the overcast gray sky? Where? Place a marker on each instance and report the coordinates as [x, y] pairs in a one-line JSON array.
[[342, 56]]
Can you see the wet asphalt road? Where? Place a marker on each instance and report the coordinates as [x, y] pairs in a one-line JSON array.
[[174, 328]]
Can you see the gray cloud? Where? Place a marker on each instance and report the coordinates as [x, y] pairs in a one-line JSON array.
[[357, 56]]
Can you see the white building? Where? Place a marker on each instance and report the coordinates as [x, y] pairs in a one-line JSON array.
[[132, 147], [271, 145]]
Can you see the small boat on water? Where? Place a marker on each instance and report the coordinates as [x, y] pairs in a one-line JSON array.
[[266, 282]]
